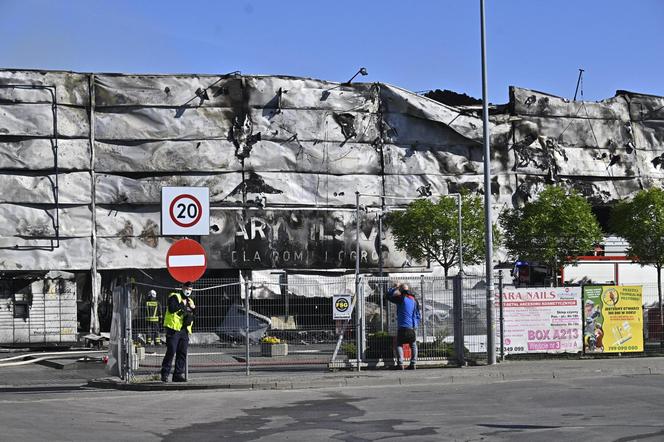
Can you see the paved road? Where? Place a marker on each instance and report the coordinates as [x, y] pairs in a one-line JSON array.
[[596, 408]]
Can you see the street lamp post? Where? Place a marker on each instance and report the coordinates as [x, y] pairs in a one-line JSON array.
[[488, 234]]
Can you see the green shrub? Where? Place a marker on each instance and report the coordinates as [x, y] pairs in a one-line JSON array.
[[349, 349]]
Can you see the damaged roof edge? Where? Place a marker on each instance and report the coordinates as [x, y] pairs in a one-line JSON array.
[[619, 92]]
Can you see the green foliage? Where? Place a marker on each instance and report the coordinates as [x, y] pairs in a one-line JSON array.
[[428, 231], [558, 225], [349, 349], [641, 222]]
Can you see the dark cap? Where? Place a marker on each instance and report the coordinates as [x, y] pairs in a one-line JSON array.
[[188, 284]]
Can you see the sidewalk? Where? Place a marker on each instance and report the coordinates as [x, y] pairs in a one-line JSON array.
[[502, 372]]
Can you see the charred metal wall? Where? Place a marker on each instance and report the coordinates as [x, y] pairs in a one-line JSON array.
[[607, 150], [287, 143]]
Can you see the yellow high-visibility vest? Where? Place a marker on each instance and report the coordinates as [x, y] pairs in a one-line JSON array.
[[175, 320], [152, 311]]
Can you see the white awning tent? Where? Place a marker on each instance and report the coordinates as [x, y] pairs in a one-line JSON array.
[[267, 284]]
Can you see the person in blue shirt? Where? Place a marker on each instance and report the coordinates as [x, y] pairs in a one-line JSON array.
[[408, 319]]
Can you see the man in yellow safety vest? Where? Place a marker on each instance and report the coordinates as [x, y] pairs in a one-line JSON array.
[[178, 322], [152, 317]]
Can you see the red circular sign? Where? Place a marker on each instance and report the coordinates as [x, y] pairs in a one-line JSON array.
[[185, 210], [186, 260]]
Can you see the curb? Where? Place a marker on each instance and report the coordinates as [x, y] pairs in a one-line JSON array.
[[459, 376]]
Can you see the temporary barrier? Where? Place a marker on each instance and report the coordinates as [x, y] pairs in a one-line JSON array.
[[289, 321], [318, 322]]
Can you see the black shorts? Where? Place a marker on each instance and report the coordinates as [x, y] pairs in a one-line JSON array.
[[405, 336]]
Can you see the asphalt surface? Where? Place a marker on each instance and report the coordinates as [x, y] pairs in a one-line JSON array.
[[596, 400]]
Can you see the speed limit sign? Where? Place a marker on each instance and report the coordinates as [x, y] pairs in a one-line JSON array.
[[185, 211]]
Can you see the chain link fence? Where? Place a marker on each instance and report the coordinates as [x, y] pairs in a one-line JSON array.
[[653, 330], [281, 323], [286, 321]]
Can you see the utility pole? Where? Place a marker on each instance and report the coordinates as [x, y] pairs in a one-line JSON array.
[[488, 235]]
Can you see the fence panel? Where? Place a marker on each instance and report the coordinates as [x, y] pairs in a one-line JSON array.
[[435, 333], [296, 313], [653, 331], [652, 324], [474, 316], [218, 339], [299, 311]]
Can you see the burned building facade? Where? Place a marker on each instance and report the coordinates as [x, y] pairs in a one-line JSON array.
[[83, 158]]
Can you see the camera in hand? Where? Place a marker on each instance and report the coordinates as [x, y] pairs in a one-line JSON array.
[[188, 317]]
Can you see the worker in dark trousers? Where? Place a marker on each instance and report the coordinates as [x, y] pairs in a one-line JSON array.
[[152, 318], [178, 321], [408, 319]]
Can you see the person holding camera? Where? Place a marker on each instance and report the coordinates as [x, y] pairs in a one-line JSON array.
[[408, 319], [178, 323]]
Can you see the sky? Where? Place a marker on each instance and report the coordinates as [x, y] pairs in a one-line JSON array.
[[417, 45]]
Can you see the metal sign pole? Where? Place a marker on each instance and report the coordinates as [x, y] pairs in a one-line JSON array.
[[424, 308], [246, 326], [380, 266], [501, 319], [358, 307], [457, 309], [460, 218]]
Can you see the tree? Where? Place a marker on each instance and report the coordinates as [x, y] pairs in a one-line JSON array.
[[641, 223], [428, 230], [556, 227]]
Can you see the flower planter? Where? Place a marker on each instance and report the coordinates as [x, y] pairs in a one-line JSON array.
[[270, 350]]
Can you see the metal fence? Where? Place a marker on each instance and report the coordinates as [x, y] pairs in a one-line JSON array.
[[230, 325], [297, 311], [233, 316], [653, 330]]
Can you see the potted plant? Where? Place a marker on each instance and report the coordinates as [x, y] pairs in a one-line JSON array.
[[272, 346]]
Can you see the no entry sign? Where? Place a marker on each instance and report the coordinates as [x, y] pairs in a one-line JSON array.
[[186, 260], [185, 211]]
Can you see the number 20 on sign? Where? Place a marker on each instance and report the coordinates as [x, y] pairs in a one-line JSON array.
[[185, 211]]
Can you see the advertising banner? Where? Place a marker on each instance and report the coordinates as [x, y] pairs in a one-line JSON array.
[[613, 318], [542, 320]]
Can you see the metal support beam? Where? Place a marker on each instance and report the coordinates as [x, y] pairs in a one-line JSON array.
[[358, 310], [94, 276]]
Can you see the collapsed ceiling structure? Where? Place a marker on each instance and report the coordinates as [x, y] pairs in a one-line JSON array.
[[83, 158]]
